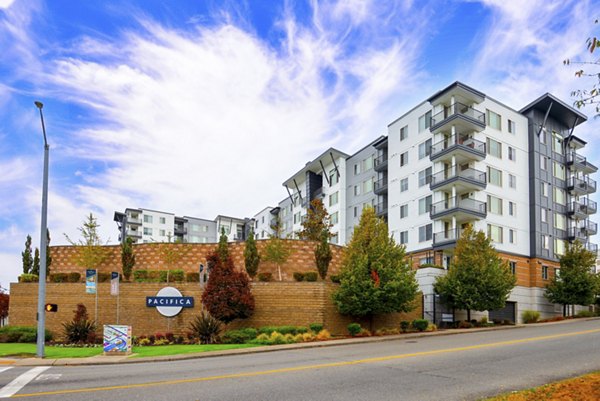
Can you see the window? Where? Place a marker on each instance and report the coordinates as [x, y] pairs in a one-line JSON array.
[[333, 199], [334, 218], [425, 204], [559, 170], [425, 149], [205, 229], [333, 177], [544, 215], [495, 233], [404, 237], [425, 233], [512, 181], [494, 176], [559, 196], [543, 162], [334, 238], [560, 221], [368, 163], [161, 233], [425, 121], [512, 237], [494, 120], [404, 184], [147, 219], [424, 176], [544, 272], [147, 231], [556, 142], [297, 217], [545, 242], [162, 220], [357, 169], [512, 153], [512, 128], [355, 211], [513, 266], [356, 190], [494, 148], [494, 205], [404, 159], [404, 211], [544, 189], [367, 186], [404, 132]]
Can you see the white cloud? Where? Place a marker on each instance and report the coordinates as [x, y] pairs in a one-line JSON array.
[[6, 3]]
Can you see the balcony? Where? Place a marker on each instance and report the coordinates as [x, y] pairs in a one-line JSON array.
[[582, 208], [462, 209], [446, 239], [380, 186], [576, 233], [132, 220], [460, 115], [381, 209], [180, 230], [588, 227], [463, 148], [133, 234], [381, 162], [581, 186], [464, 180], [580, 163], [591, 247]]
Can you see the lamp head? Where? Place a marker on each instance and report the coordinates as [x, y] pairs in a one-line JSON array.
[[39, 105]]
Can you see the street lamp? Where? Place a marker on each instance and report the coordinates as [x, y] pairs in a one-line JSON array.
[[41, 311]]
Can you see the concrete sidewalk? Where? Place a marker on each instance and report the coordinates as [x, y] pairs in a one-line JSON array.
[[106, 360]]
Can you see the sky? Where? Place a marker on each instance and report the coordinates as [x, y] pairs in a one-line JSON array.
[[202, 108]]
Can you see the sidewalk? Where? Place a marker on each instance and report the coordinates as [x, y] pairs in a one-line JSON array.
[[107, 360]]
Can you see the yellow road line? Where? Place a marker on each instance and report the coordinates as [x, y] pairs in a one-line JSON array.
[[307, 367]]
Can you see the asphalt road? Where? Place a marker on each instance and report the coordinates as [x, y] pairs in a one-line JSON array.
[[456, 367]]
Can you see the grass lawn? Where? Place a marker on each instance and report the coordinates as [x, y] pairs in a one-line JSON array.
[[583, 388], [29, 350]]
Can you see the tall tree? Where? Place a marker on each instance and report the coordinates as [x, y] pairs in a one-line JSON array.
[[91, 252], [375, 277], [27, 257], [478, 279], [127, 258], [323, 254], [575, 284], [227, 295], [35, 267], [223, 246], [277, 251], [4, 303], [317, 221], [251, 256]]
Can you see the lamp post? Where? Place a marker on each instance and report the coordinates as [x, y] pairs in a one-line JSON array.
[[41, 313]]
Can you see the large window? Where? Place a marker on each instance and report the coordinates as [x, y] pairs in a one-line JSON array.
[[425, 176], [425, 204], [404, 159], [559, 170], [162, 220], [425, 233], [560, 196], [559, 246], [147, 231], [147, 219], [556, 142], [560, 221], [495, 233], [404, 184], [494, 176], [425, 121], [494, 205], [333, 177], [334, 218], [404, 132], [333, 199], [494, 120], [368, 186], [368, 163], [494, 148], [425, 149]]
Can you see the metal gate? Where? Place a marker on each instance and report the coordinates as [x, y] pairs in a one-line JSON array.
[[506, 313], [436, 312]]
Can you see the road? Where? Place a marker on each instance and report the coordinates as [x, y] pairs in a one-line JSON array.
[[455, 367]]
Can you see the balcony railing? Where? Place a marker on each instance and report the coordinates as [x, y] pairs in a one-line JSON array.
[[591, 247], [582, 207], [380, 186], [469, 175], [132, 220], [582, 185], [588, 227], [456, 204], [381, 208], [576, 233], [458, 142], [446, 237], [458, 109], [132, 233], [580, 162], [381, 162]]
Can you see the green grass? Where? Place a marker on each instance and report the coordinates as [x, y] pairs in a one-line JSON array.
[[29, 350]]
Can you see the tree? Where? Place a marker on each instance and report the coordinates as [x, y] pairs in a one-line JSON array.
[[575, 284], [35, 268], [251, 256], [317, 220], [227, 295], [27, 257], [223, 246], [276, 227], [4, 303], [375, 277], [127, 258], [478, 279], [277, 251], [323, 254], [91, 252]]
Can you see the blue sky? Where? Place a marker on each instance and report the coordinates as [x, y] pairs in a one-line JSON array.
[[204, 107]]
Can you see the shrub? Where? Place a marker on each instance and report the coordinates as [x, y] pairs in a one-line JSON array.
[[28, 278], [323, 335], [289, 339], [298, 276], [404, 326], [144, 341], [311, 276], [424, 265], [420, 324], [585, 313], [465, 325], [21, 334], [483, 322], [140, 276], [162, 341], [192, 277], [265, 277], [432, 327], [307, 337], [170, 336], [316, 327], [104, 277], [80, 329], [240, 336], [177, 275], [335, 278], [206, 328], [59, 277], [354, 329], [283, 329], [530, 316], [298, 338], [74, 277]]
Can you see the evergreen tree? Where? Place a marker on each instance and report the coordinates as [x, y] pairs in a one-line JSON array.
[[91, 252], [375, 277], [223, 246], [227, 295], [127, 258], [317, 221], [323, 254], [478, 279], [575, 284], [27, 256], [35, 268], [251, 256]]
